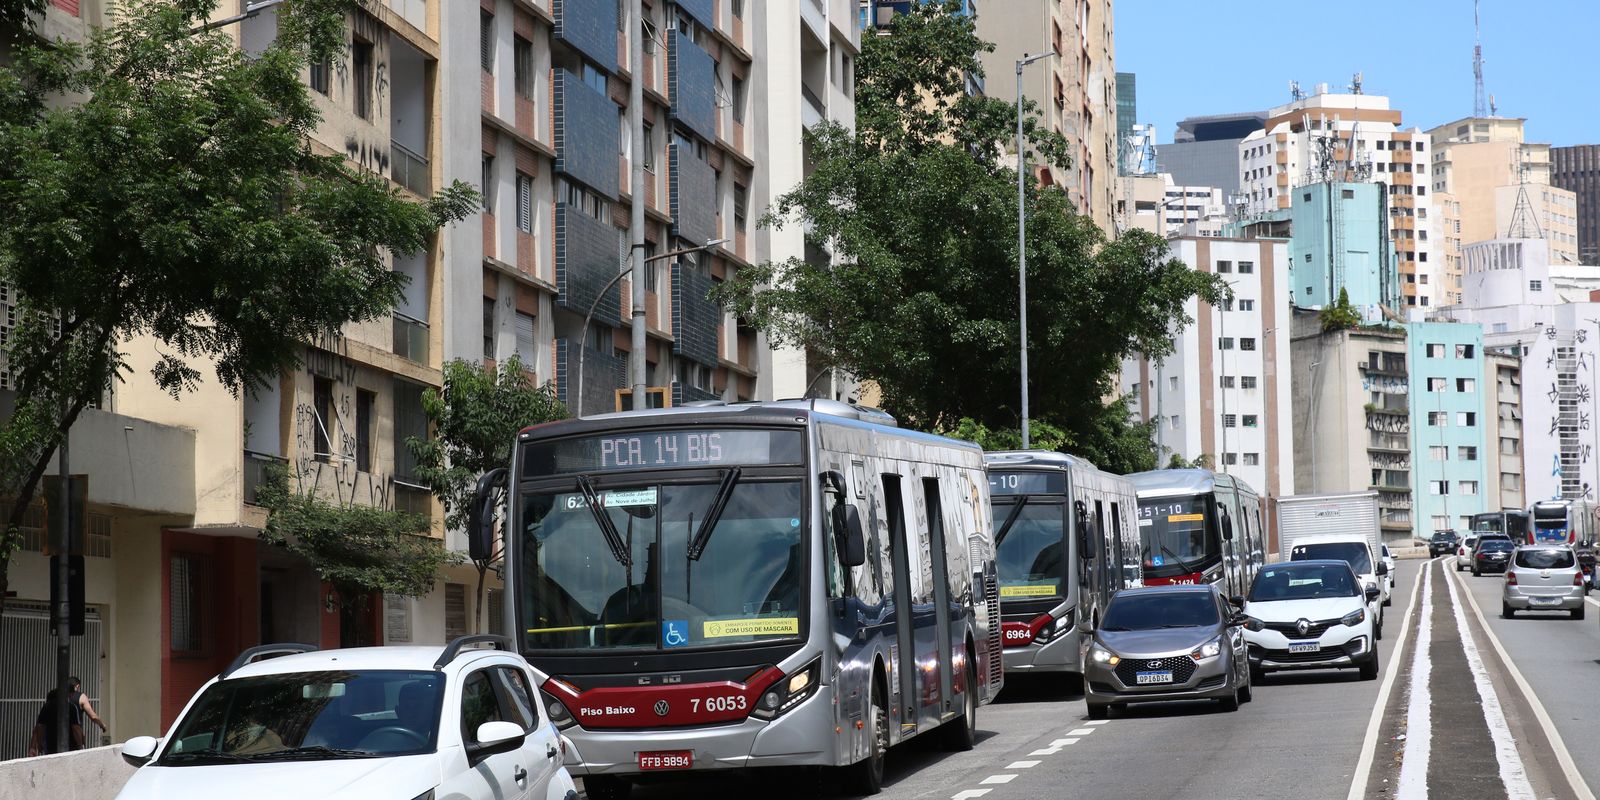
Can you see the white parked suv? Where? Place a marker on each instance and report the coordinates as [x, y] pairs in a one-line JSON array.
[[1310, 615], [407, 723], [1464, 551]]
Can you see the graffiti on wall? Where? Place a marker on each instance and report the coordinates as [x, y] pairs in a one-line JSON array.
[[326, 442]]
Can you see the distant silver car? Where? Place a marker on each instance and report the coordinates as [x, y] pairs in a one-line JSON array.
[[1543, 578], [1178, 642]]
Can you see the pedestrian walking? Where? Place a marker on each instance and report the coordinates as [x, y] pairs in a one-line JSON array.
[[43, 739], [80, 707]]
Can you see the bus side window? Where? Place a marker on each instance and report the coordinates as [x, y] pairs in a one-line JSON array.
[[1116, 547]]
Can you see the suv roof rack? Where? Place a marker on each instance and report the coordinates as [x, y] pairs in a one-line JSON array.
[[269, 650], [455, 645]]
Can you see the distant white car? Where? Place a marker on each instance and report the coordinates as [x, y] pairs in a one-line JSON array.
[[1464, 551], [409, 723], [1388, 580]]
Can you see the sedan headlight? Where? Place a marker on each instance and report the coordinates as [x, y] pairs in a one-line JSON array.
[[1100, 655], [1209, 650], [1353, 618]]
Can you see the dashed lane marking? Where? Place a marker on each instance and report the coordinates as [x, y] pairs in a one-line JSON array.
[[1048, 751], [1080, 732], [1369, 747], [969, 794], [1419, 712], [1513, 775], [1063, 742], [1022, 765], [1096, 722], [995, 780]]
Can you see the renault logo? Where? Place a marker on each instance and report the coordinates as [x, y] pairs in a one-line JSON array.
[[662, 708], [1303, 626]]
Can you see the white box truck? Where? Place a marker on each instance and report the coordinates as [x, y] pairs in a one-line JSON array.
[[1343, 526]]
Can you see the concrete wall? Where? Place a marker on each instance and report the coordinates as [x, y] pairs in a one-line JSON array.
[[96, 774]]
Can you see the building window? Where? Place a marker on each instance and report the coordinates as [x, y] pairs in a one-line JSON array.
[[1467, 487], [455, 610], [1229, 421], [186, 596], [522, 66], [322, 403], [1247, 343], [488, 329], [1510, 482], [1252, 459], [1436, 384], [1463, 351], [649, 148], [1441, 522], [1438, 419], [738, 98], [595, 77], [1173, 420], [1247, 382], [486, 185], [365, 401], [1438, 452], [524, 203], [361, 77], [320, 73], [1247, 305], [1225, 343], [1247, 267], [1467, 385], [525, 339], [1251, 420], [1230, 458], [1466, 419], [486, 41], [1227, 381], [741, 207], [738, 8], [1438, 487], [1535, 286], [1466, 453], [1435, 351], [1224, 266]]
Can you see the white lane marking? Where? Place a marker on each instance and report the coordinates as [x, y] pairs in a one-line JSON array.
[[1063, 742], [1369, 746], [969, 794], [1592, 600], [1557, 745], [1512, 773], [1048, 751], [1096, 722], [1081, 732], [994, 780], [1022, 765], [1413, 783]]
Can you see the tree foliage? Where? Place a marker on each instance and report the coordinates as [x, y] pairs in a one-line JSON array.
[[1341, 315], [1111, 440], [919, 207], [359, 549], [160, 184], [475, 420]]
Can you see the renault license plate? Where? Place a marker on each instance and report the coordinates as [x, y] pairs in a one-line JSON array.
[[666, 759], [1304, 647], [1145, 678]]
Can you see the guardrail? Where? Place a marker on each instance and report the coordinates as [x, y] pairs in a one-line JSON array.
[[409, 169], [255, 473], [410, 338]]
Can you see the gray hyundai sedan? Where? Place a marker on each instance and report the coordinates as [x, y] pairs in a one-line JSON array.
[[1167, 643]]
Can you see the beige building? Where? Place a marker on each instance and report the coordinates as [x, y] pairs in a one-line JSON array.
[[1076, 90], [1481, 170]]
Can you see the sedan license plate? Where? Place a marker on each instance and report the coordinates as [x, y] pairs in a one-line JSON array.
[[1304, 647], [666, 759], [1545, 601], [1144, 678]]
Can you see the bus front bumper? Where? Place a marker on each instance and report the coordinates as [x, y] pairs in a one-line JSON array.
[[1061, 654], [803, 737]]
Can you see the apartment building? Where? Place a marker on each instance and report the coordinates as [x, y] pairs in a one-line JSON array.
[[1222, 392], [1076, 90], [1350, 138], [1450, 418], [1577, 170], [1503, 412]]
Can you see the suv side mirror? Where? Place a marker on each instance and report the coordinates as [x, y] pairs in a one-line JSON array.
[[852, 541], [1372, 593], [139, 750], [494, 737], [1237, 601], [1383, 569], [480, 516]]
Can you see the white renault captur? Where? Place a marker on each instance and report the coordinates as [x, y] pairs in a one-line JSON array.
[[400, 723], [1310, 615]]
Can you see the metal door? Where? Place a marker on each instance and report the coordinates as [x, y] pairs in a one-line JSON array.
[[28, 671]]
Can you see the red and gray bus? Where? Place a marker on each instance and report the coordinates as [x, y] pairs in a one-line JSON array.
[[1198, 526], [788, 584]]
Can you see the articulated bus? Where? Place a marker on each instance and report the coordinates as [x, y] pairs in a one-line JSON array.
[[1199, 526], [1511, 522], [1065, 541], [789, 584]]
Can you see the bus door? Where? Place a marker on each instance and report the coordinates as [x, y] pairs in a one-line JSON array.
[[937, 558], [909, 645]]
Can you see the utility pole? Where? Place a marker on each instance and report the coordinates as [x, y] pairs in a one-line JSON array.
[[1022, 239], [63, 606], [637, 357]]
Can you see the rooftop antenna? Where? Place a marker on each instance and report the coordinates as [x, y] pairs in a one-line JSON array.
[[1355, 84], [1524, 219], [1294, 91], [1493, 110], [1477, 65]]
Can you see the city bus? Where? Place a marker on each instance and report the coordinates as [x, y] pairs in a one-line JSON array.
[[781, 584], [1511, 522], [1199, 526], [1564, 522], [1065, 542]]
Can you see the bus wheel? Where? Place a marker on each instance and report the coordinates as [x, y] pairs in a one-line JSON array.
[[606, 787], [866, 776], [961, 734]]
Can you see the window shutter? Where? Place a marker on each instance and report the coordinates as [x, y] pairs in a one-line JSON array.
[[525, 339], [524, 203], [486, 41]]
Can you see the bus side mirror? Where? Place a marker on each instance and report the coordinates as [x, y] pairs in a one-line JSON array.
[[480, 516], [1227, 525], [852, 542], [1085, 541]]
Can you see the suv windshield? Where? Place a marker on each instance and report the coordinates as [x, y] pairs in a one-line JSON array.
[[1353, 553], [1029, 557], [1142, 612], [744, 587], [1546, 558], [1302, 582], [309, 716], [1444, 537]]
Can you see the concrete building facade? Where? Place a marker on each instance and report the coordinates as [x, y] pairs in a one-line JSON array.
[[1204, 150], [1449, 420], [1577, 170], [1076, 90]]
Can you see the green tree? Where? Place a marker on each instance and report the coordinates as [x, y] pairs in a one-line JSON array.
[[179, 200], [475, 420], [1341, 315], [919, 207]]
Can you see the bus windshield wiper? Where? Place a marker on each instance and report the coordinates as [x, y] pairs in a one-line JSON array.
[[702, 537], [1011, 519], [1188, 570], [619, 551]]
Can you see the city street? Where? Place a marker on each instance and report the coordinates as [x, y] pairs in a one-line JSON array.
[[1303, 735]]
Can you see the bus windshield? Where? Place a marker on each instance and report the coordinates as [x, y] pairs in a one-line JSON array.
[[744, 587], [1488, 523], [1030, 556], [1177, 536]]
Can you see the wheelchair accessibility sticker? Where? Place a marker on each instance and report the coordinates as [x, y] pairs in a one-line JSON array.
[[675, 632]]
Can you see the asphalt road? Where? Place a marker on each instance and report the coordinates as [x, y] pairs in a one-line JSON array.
[[1305, 734]]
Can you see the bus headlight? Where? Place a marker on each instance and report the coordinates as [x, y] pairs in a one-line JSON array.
[[559, 715], [785, 695], [1050, 630]]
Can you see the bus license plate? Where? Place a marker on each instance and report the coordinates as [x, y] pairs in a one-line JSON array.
[[1304, 647], [666, 759], [1153, 677]]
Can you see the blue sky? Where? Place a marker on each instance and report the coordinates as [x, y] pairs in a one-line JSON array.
[[1196, 57]]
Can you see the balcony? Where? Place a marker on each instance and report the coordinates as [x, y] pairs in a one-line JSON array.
[[694, 317], [410, 338], [692, 85], [813, 112], [591, 29], [586, 260], [603, 375], [409, 169], [256, 466], [693, 196], [586, 134]]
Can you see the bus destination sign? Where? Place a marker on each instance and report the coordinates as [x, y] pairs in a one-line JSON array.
[[669, 449], [1028, 482]]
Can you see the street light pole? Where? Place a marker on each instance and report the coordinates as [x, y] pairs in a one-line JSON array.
[[637, 357], [1022, 241], [583, 335]]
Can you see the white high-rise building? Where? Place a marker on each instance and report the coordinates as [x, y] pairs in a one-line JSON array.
[[1353, 138]]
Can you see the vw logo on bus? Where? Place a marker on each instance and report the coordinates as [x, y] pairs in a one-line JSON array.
[[662, 708]]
